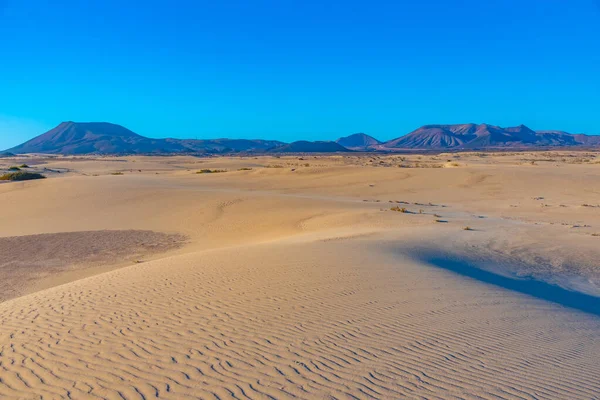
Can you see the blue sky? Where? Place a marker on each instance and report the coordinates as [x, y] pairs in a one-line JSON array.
[[297, 69]]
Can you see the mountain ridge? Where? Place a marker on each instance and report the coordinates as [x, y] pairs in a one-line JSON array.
[[482, 136], [80, 138]]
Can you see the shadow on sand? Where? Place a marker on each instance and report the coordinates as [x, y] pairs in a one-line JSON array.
[[541, 290]]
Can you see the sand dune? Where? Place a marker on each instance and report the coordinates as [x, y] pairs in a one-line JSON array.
[[304, 284], [300, 323]]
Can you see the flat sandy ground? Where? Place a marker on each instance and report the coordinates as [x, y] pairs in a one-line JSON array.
[[433, 276]]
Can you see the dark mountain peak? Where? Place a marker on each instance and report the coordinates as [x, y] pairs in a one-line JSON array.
[[358, 141], [520, 128]]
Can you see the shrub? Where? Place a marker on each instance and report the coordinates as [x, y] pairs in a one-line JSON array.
[[245, 169], [210, 171], [399, 209], [23, 166], [467, 228], [14, 169], [21, 176], [117, 173]]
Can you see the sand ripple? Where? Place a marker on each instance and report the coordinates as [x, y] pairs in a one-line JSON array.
[[291, 321]]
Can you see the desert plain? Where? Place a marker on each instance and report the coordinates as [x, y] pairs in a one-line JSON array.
[[355, 276]]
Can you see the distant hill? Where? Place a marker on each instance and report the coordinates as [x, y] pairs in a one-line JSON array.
[[78, 138], [358, 141], [580, 139], [483, 136], [303, 146], [227, 145]]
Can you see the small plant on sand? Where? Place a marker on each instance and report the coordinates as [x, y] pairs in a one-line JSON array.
[[274, 166], [117, 173], [14, 169], [439, 220], [245, 169], [595, 234], [21, 176], [210, 171], [23, 166], [399, 209], [467, 228]]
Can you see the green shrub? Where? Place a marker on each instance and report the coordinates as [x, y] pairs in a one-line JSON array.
[[245, 169], [21, 176], [14, 169]]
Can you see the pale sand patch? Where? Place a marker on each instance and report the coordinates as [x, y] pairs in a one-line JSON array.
[[33, 262]]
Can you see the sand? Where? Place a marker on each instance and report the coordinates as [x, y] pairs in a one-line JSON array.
[[298, 281], [33, 262]]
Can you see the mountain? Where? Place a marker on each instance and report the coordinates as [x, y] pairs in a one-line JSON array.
[[77, 138], [358, 141], [94, 137], [303, 146], [474, 136]]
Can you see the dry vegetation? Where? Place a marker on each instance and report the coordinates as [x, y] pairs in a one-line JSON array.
[[211, 171], [20, 176]]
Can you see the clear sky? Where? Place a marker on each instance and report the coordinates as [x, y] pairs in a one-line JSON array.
[[304, 69]]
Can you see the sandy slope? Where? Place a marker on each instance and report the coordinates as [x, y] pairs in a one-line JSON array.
[[304, 284]]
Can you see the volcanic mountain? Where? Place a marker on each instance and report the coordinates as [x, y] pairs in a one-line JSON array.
[[473, 136], [358, 141], [94, 137], [77, 138]]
